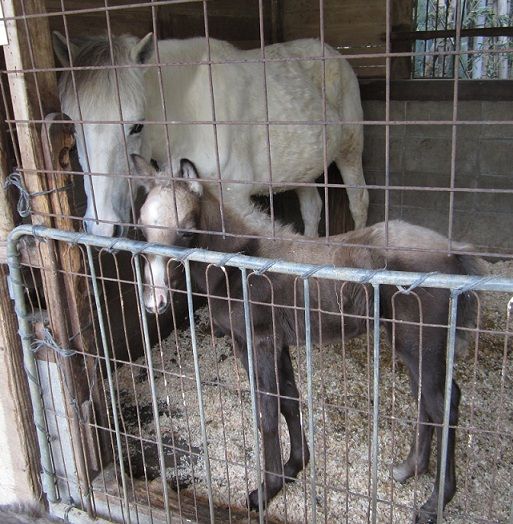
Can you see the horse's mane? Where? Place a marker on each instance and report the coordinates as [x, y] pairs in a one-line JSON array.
[[97, 51]]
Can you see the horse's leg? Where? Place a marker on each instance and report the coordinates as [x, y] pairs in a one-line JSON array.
[[289, 405], [267, 405], [310, 204], [349, 163]]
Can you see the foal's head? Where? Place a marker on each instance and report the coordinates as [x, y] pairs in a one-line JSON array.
[[168, 215]]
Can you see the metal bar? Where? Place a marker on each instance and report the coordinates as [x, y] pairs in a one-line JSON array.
[[112, 389], [451, 348], [153, 388], [253, 388], [375, 407], [190, 308], [309, 380], [384, 277], [25, 331]]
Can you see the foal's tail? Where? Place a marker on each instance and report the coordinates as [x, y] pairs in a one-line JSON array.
[[468, 305]]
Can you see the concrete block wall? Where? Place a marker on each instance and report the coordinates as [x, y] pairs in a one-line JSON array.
[[420, 156]]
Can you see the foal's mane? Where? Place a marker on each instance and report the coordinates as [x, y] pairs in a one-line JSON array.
[[254, 221]]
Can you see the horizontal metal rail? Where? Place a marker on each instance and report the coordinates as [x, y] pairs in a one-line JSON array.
[[370, 276]]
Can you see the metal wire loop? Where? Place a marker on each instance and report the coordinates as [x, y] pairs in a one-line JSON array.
[[265, 267], [369, 275], [416, 283], [473, 285], [227, 258], [310, 272], [183, 257]]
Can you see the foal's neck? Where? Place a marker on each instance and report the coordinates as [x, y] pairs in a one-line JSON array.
[[251, 223]]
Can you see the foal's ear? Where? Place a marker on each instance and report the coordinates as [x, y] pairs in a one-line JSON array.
[[190, 173], [142, 51], [142, 168], [61, 49]]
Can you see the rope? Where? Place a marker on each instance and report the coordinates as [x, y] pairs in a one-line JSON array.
[[23, 206]]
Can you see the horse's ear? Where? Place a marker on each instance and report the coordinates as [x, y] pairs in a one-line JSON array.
[[61, 49], [190, 173], [142, 51]]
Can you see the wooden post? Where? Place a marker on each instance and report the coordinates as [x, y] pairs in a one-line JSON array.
[[19, 478], [33, 95], [401, 16]]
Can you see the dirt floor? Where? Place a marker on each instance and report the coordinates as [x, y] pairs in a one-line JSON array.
[[342, 417]]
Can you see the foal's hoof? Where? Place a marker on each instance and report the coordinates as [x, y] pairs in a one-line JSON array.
[[403, 471], [253, 501], [425, 517]]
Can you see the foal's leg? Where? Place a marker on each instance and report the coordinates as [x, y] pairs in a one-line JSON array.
[[310, 204], [289, 404], [267, 405], [434, 395], [417, 461]]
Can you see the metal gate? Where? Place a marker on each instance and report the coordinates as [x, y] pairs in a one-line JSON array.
[[64, 480]]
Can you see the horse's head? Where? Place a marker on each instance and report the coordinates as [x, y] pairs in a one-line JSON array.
[[167, 216], [108, 105]]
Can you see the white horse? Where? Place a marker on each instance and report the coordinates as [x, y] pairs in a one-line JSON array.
[[239, 148]]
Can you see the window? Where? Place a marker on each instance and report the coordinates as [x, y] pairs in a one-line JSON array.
[[486, 45]]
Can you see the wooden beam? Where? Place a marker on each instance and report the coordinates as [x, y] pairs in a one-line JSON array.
[[411, 36], [437, 90]]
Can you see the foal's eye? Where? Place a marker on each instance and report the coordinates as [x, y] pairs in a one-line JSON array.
[[135, 129], [186, 234]]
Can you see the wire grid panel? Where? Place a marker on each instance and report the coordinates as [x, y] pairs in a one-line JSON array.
[[182, 419], [440, 164]]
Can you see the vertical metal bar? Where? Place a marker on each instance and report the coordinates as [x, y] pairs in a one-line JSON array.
[[451, 345], [112, 390], [153, 388], [309, 382], [29, 361], [375, 396], [251, 374], [190, 308]]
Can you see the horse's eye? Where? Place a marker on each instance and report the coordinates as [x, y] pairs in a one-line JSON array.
[[186, 234], [135, 129]]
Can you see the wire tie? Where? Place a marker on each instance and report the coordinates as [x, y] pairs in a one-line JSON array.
[[183, 257], [265, 267], [371, 273], [111, 249], [23, 206], [226, 259], [472, 285], [416, 283], [310, 272], [50, 342]]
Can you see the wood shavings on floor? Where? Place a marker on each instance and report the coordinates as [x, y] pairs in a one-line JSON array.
[[342, 395]]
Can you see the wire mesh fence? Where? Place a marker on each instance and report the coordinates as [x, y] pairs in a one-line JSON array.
[[181, 419], [139, 412]]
